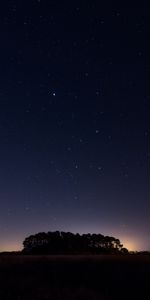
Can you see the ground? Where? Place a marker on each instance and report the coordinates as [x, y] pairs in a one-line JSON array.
[[74, 277]]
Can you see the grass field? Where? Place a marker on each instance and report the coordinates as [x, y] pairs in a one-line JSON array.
[[74, 277]]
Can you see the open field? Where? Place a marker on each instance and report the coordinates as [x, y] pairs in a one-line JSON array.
[[74, 277]]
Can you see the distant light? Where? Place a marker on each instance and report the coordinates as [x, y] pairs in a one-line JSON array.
[[54, 94], [129, 244]]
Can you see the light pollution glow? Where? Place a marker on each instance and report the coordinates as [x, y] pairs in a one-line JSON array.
[[129, 244]]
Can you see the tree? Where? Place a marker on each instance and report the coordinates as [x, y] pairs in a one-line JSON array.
[[66, 242], [124, 251]]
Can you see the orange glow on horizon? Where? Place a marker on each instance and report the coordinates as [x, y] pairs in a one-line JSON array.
[[130, 244], [10, 247]]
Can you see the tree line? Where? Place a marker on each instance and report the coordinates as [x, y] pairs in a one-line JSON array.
[[60, 242]]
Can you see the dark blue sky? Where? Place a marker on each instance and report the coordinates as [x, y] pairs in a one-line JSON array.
[[74, 120]]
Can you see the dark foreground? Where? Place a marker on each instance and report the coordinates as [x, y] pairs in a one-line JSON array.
[[74, 277]]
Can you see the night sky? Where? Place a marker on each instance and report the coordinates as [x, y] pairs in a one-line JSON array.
[[74, 120]]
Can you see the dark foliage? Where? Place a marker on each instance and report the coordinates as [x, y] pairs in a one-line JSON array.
[[60, 242]]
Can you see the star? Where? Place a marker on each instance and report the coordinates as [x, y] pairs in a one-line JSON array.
[[100, 168]]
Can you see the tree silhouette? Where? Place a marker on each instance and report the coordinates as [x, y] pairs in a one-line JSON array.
[[60, 242]]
